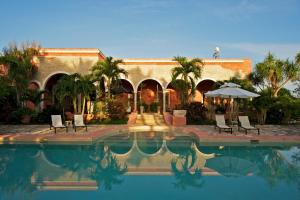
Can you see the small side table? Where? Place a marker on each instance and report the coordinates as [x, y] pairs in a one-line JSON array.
[[68, 123]]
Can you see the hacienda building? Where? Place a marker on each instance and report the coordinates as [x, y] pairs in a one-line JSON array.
[[148, 79]]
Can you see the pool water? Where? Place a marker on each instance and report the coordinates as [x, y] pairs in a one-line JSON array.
[[149, 165]]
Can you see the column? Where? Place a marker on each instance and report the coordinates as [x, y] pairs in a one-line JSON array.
[[164, 100], [135, 101]]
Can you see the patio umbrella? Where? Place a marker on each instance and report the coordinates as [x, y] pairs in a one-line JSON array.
[[232, 91]]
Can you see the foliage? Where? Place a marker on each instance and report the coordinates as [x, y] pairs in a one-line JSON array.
[[5, 89], [154, 107], [109, 69], [196, 113], [116, 110], [45, 115], [72, 86], [17, 115], [21, 66], [281, 110], [297, 89], [86, 88], [276, 110], [188, 71], [276, 73], [66, 87]]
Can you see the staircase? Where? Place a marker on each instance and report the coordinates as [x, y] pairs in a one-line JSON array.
[[150, 119]]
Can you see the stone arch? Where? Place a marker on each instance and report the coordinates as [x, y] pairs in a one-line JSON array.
[[148, 78], [173, 98], [202, 87], [49, 82], [126, 94], [34, 85], [150, 94], [53, 74]]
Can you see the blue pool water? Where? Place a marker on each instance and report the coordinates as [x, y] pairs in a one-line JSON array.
[[149, 166]]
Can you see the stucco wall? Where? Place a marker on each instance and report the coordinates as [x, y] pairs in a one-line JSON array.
[[139, 69], [49, 66]]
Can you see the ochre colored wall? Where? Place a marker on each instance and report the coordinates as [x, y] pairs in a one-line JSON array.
[[81, 61]]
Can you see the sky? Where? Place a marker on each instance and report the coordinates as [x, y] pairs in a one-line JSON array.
[[157, 28]]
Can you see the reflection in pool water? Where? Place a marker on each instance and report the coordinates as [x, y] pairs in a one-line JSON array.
[[147, 166]]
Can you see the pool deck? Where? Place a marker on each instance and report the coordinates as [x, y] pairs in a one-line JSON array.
[[29, 134]]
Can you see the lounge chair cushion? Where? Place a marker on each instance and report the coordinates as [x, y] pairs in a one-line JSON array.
[[244, 120], [78, 120], [56, 121], [221, 121]]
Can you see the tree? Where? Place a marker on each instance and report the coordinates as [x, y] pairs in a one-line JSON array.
[[108, 68], [21, 66], [297, 89], [66, 87], [4, 89], [85, 87], [276, 73], [188, 71], [72, 86]]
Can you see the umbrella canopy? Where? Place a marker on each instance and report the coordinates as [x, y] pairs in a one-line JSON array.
[[231, 90], [230, 166]]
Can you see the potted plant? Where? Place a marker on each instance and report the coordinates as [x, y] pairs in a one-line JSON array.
[[25, 115]]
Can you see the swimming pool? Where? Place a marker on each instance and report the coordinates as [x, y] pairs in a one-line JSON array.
[[149, 165]]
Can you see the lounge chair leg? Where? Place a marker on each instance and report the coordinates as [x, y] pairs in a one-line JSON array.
[[219, 130], [66, 129], [86, 128], [231, 130], [54, 130], [246, 131], [258, 131], [75, 128]]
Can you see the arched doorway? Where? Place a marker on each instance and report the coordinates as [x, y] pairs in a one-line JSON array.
[[49, 97], [203, 87], [174, 95], [150, 94], [124, 93]]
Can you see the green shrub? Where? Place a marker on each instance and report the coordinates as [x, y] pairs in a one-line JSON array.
[[15, 117], [116, 110], [153, 107], [281, 110], [45, 115], [196, 113]]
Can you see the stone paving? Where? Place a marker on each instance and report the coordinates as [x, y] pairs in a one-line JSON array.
[[206, 133]]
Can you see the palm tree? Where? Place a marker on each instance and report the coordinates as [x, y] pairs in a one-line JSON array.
[[61, 91], [109, 69], [19, 61], [85, 87], [277, 73], [188, 71]]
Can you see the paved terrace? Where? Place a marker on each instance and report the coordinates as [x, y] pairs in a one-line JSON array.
[[270, 134]]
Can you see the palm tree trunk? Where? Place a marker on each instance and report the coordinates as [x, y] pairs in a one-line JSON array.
[[108, 88], [75, 104], [83, 105]]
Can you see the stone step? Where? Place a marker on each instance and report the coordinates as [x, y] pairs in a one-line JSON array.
[[150, 119]]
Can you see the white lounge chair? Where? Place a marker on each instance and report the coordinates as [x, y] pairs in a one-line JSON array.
[[245, 124], [57, 123], [220, 123], [78, 122]]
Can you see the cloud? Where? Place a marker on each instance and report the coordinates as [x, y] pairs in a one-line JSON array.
[[281, 50]]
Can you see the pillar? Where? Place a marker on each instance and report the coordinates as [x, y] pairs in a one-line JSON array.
[[135, 101], [164, 100]]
